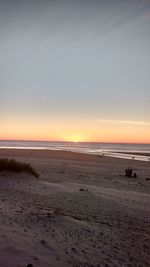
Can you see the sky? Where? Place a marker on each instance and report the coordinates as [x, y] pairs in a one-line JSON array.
[[75, 70]]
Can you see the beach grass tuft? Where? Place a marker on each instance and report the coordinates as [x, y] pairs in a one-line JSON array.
[[12, 165]]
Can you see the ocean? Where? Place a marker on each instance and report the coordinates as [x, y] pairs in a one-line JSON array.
[[107, 149]]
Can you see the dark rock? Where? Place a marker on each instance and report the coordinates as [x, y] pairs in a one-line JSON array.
[[82, 189], [43, 242]]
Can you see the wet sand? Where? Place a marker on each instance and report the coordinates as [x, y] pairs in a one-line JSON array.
[[146, 154], [81, 211]]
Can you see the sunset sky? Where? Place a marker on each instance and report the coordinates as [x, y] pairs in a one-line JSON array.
[[75, 70]]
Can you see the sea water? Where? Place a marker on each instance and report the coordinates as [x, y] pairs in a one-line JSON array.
[[107, 149]]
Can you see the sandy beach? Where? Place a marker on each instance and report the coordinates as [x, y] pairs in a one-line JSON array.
[[81, 211]]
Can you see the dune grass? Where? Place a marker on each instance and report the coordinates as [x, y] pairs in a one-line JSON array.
[[12, 165]]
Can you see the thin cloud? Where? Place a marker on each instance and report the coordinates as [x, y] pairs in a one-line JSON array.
[[124, 122]]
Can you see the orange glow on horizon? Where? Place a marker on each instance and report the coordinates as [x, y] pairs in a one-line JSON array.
[[110, 139], [74, 131]]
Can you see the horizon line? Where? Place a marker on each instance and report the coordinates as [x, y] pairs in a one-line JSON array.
[[61, 141]]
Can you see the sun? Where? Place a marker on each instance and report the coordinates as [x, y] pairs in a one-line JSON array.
[[75, 139]]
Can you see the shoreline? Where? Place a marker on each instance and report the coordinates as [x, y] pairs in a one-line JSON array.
[[116, 154], [129, 155], [135, 153]]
